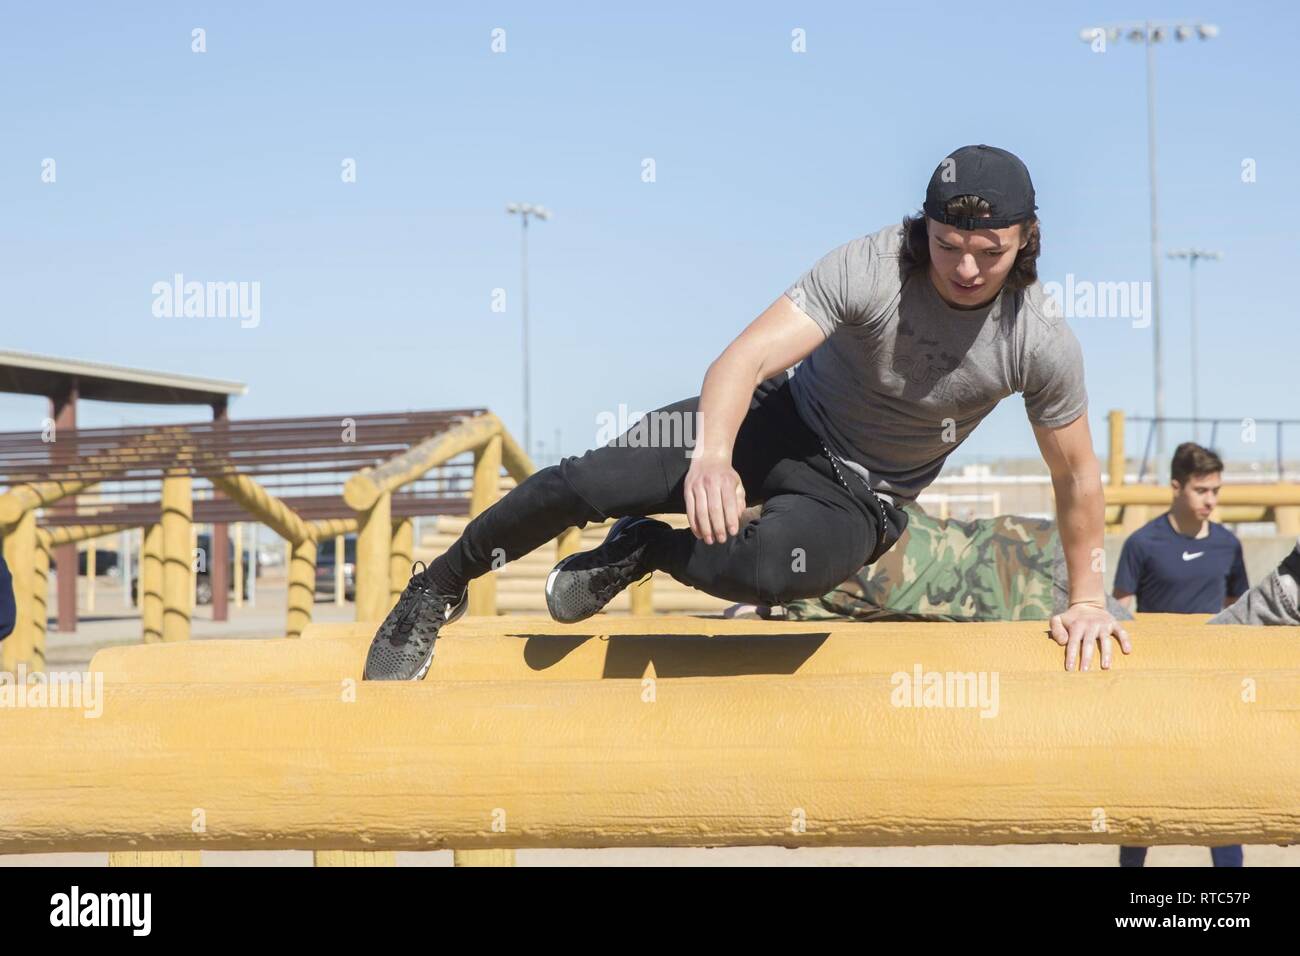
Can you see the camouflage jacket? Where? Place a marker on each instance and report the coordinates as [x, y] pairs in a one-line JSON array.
[[1006, 568]]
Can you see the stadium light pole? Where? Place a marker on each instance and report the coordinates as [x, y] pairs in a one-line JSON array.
[[1150, 33], [1191, 255], [524, 210]]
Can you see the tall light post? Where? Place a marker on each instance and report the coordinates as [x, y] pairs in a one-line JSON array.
[[1191, 255], [524, 210], [1150, 33]]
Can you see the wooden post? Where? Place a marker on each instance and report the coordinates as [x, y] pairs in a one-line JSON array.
[[1115, 461], [1134, 517], [483, 494], [302, 586], [1287, 520], [374, 544], [20, 555], [41, 595], [178, 558], [399, 562], [151, 583]]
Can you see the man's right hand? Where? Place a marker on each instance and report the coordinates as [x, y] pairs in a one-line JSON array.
[[715, 497]]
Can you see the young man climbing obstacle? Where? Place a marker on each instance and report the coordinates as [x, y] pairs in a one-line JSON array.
[[838, 404]]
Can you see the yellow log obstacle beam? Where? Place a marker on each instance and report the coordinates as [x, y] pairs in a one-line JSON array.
[[177, 557], [1172, 757], [261, 504], [364, 488], [302, 586], [486, 649], [1272, 495], [483, 494]]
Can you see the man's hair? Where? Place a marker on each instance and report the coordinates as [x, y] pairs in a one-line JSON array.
[[916, 242], [1193, 461]]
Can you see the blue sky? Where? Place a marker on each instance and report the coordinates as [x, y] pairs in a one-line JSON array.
[[376, 295]]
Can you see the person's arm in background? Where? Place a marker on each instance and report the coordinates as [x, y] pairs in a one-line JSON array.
[[1127, 576], [1080, 517], [1238, 582], [779, 338], [8, 608]]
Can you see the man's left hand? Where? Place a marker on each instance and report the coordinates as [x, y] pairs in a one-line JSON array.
[[1082, 627]]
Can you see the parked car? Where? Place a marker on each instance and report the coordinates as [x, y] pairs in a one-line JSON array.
[[203, 577], [105, 562], [325, 567]]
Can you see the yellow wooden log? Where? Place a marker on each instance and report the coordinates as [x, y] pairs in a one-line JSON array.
[[1174, 757], [401, 558], [513, 457], [260, 503], [641, 596], [483, 858], [20, 554], [178, 559], [1134, 517], [1288, 520], [155, 858], [151, 583], [374, 543], [487, 481], [302, 587], [669, 647], [1286, 494], [41, 594], [569, 542], [70, 534], [333, 527], [1115, 461], [364, 488], [195, 559], [354, 858]]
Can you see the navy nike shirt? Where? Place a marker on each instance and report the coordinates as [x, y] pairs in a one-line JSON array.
[[1172, 572]]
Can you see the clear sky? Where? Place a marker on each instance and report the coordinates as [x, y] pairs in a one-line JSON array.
[[377, 295]]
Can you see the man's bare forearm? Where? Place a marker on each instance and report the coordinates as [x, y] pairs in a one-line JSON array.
[[1081, 519], [724, 401]]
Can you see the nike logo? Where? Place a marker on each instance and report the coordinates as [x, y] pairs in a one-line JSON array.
[[1192, 557]]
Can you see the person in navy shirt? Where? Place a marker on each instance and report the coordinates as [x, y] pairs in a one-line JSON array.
[[1184, 563], [8, 608]]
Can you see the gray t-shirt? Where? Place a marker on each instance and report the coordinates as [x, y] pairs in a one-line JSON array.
[[903, 377]]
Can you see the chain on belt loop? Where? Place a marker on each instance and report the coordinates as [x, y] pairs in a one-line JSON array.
[[884, 515]]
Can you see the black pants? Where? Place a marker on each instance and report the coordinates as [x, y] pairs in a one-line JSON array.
[[819, 525]]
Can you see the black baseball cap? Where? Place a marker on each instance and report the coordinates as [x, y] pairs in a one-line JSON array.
[[994, 175]]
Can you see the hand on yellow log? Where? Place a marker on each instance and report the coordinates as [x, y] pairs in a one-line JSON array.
[[1080, 629]]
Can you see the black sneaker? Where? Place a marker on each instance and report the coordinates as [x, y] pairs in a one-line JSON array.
[[403, 646], [582, 584]]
